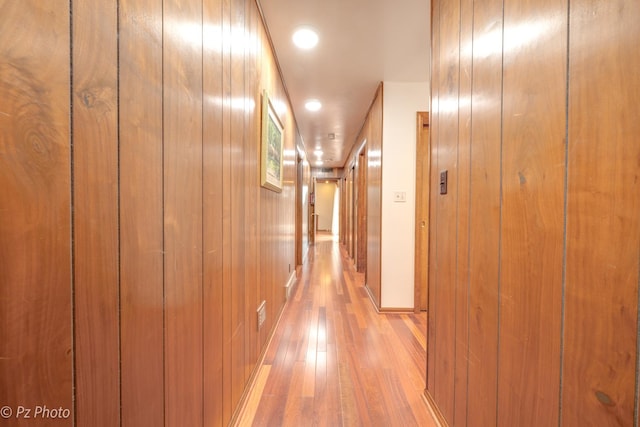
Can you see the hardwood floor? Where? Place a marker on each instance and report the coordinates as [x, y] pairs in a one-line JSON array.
[[334, 361]]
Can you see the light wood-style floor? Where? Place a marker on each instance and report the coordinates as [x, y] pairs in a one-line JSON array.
[[334, 361]]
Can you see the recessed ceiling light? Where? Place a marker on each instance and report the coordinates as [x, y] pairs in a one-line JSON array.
[[319, 162], [313, 105], [305, 38], [318, 153]]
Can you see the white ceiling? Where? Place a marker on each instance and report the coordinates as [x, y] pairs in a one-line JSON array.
[[362, 42]]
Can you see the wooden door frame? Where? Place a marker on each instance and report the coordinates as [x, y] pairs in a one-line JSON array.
[[361, 220], [421, 260], [299, 208]]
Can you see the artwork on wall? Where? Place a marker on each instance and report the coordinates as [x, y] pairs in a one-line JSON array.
[[272, 141]]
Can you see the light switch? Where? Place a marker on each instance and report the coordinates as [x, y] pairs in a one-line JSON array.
[[400, 196], [443, 182]]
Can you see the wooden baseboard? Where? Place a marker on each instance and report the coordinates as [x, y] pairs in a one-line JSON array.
[[435, 411], [389, 310], [239, 411], [373, 301]]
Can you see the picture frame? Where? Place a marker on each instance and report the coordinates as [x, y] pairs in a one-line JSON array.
[[272, 141]]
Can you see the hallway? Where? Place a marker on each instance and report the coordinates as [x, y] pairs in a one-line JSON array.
[[334, 361]]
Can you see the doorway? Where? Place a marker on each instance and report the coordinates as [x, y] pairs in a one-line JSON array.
[[423, 168], [327, 207]]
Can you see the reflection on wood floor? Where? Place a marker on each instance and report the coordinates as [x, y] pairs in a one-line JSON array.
[[334, 361]]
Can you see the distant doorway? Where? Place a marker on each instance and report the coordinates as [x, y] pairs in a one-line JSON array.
[[326, 206]]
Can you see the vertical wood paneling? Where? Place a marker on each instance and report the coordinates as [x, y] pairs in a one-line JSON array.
[[484, 211], [264, 270], [35, 217], [463, 221], [251, 191], [175, 242], [374, 196], [227, 330], [351, 194], [237, 177], [182, 64], [361, 261], [96, 216], [213, 245], [603, 224], [141, 221], [533, 160], [554, 231], [446, 205], [434, 124]]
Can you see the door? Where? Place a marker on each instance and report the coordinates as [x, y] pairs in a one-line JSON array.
[[361, 203], [423, 161]]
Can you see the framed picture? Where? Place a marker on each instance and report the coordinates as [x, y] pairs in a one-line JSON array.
[[272, 140]]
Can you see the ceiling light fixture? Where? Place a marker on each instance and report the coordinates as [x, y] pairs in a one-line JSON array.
[[318, 153], [305, 38], [313, 105]]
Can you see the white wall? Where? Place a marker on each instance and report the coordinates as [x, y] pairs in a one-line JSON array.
[[325, 196], [401, 103]]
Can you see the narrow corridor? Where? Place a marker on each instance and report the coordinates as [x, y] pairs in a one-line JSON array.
[[334, 361]]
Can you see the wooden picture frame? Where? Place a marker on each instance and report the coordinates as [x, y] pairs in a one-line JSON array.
[[272, 140]]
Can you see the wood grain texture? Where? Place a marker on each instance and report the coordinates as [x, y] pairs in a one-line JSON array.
[[252, 193], [327, 360], [554, 227], [141, 205], [35, 217], [237, 171], [533, 182], [484, 212], [445, 232], [182, 65], [225, 25], [461, 378], [423, 170], [172, 252], [212, 231], [434, 131], [96, 216], [351, 211], [603, 225], [361, 241], [374, 197]]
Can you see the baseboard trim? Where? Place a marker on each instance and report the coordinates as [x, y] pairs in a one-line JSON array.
[[394, 310], [387, 310], [242, 404], [435, 411], [371, 298]]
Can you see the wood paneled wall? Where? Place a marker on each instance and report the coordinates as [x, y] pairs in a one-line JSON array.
[[535, 248], [36, 328], [135, 240], [372, 196]]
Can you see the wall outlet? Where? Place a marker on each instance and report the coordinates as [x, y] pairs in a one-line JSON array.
[[262, 314], [399, 196]]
